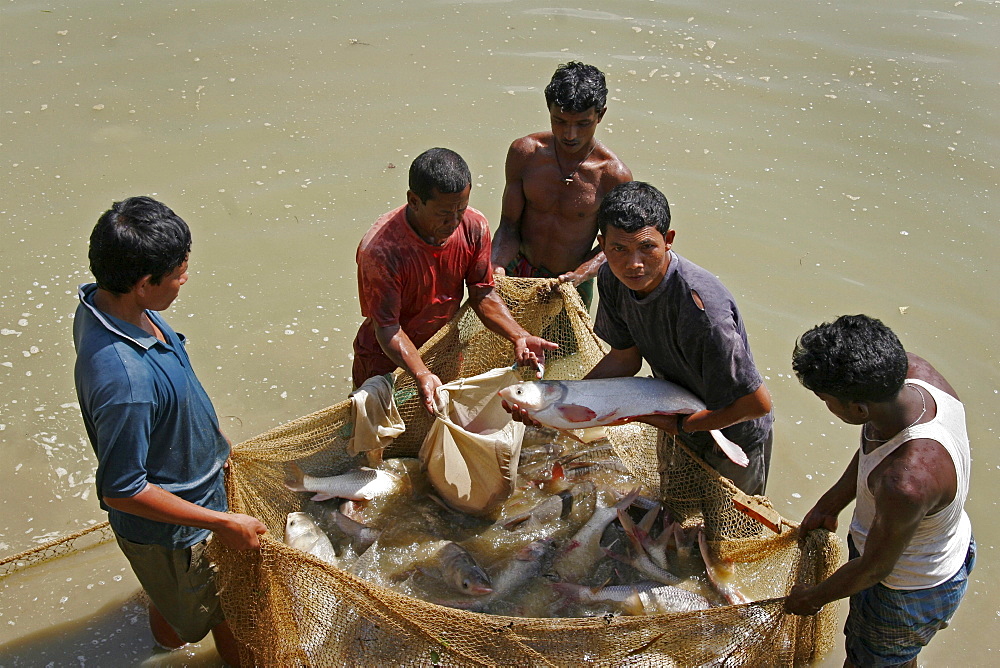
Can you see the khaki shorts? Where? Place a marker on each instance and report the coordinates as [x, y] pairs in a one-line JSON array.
[[181, 584]]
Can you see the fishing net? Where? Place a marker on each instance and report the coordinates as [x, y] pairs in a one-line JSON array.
[[293, 609]]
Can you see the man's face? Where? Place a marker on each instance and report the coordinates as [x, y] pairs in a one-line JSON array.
[[436, 219], [574, 131], [160, 297], [851, 412], [638, 259]]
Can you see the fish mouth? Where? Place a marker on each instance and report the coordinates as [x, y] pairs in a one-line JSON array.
[[480, 590]]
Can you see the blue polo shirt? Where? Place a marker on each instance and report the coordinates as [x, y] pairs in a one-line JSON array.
[[148, 419]]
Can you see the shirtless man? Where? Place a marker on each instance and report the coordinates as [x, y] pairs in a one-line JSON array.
[[911, 544], [555, 182]]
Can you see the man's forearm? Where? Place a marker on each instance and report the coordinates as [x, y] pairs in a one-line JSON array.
[[398, 347], [589, 268], [506, 243], [157, 504]]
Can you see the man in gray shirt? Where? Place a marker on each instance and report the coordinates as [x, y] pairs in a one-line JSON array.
[[660, 307]]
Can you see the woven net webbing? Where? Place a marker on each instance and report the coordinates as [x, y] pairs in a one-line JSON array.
[[293, 609]]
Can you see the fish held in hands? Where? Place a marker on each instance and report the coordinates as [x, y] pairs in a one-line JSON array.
[[302, 533], [362, 484], [569, 405]]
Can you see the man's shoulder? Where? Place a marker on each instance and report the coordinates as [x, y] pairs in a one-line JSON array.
[[385, 230], [524, 149]]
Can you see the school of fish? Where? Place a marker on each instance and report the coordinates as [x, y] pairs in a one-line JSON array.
[[576, 538]]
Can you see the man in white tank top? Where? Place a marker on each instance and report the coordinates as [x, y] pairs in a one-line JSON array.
[[910, 538]]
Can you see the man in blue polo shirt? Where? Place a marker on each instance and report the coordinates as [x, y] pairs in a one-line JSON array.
[[160, 452]]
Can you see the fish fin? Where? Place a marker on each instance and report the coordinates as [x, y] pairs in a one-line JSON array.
[[731, 450], [628, 499], [587, 435], [630, 529], [646, 524], [322, 496], [294, 477], [575, 413], [718, 575]]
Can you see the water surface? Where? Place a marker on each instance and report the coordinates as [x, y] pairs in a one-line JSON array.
[[821, 158]]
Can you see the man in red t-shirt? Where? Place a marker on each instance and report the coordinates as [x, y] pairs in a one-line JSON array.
[[413, 266]]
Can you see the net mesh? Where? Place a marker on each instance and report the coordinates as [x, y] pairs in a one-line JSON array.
[[293, 609]]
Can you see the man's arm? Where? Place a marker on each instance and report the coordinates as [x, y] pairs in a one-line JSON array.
[[617, 363], [825, 512], [528, 349], [507, 240], [905, 492], [748, 407], [400, 349], [155, 503]]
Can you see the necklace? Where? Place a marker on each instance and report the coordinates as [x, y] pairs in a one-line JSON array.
[[923, 410], [568, 179]]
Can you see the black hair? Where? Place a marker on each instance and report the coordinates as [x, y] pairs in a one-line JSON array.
[[633, 205], [134, 238], [854, 358], [576, 87], [438, 168]]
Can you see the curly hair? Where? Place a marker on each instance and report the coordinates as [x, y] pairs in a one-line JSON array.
[[576, 87], [854, 358], [632, 206]]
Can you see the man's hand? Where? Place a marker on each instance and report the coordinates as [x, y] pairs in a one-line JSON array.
[[530, 350], [240, 532], [799, 603], [519, 414], [818, 518], [574, 277], [427, 384], [499, 271]]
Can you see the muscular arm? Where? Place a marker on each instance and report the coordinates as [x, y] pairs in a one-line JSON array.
[[400, 349], [748, 407], [905, 492], [507, 240], [155, 503]]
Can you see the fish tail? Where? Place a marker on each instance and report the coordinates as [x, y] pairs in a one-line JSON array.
[[731, 450], [294, 477]]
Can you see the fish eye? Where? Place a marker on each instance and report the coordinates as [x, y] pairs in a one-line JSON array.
[[517, 392]]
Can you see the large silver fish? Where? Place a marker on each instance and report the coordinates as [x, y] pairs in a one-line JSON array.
[[577, 557], [361, 484], [570, 405], [644, 598], [302, 533]]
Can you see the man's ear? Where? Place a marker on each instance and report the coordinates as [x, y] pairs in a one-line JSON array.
[[412, 199], [600, 114], [142, 285], [600, 241], [668, 238], [860, 408]]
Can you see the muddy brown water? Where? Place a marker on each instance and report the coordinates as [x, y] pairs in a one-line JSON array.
[[821, 158]]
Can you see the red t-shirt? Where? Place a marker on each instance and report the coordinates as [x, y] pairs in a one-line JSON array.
[[404, 280]]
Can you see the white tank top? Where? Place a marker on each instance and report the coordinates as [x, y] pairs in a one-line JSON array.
[[939, 546]]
